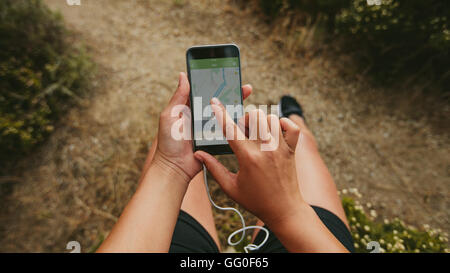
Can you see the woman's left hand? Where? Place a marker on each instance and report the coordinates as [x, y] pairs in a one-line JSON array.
[[177, 154]]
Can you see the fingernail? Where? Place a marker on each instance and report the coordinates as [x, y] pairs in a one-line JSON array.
[[215, 109], [215, 101], [198, 157]]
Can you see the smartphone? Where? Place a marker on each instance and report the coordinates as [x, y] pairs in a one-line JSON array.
[[213, 71]]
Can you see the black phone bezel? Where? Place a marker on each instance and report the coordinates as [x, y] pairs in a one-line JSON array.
[[207, 52]]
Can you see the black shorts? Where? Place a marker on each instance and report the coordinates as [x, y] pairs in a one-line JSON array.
[[190, 237]]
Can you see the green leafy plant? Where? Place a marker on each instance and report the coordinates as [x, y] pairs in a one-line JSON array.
[[410, 38], [392, 235], [271, 7], [41, 74], [395, 41]]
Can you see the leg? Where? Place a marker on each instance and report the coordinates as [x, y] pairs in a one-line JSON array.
[[316, 184], [315, 181], [195, 202]]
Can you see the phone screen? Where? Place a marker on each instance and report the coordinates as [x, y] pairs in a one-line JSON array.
[[213, 77]]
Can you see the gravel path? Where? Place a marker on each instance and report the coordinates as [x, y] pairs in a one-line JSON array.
[[76, 185]]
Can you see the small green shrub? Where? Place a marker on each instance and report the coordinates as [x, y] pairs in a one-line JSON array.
[[396, 41], [408, 38], [272, 7], [392, 235], [41, 72]]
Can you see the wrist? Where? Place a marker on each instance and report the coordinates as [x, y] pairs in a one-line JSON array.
[[167, 169], [290, 219], [305, 232]]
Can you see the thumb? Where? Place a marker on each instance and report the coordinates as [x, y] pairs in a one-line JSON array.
[[181, 95], [225, 178]]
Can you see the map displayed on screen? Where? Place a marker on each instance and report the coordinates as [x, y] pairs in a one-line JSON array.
[[210, 78]]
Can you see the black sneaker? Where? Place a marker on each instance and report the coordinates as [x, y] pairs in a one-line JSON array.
[[288, 106]]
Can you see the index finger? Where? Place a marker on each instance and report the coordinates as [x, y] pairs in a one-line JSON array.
[[233, 134]]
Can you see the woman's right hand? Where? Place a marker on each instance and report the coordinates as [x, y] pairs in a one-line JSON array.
[[266, 183]]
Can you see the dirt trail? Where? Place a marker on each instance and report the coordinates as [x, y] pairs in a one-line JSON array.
[[76, 185]]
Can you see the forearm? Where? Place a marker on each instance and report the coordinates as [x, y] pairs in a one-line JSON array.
[[148, 221], [305, 232]]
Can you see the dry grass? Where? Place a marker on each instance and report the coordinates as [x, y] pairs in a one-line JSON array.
[[76, 185]]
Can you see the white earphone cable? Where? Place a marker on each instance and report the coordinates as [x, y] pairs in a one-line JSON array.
[[250, 247]]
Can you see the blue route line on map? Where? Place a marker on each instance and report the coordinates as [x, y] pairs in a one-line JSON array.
[[222, 86]]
